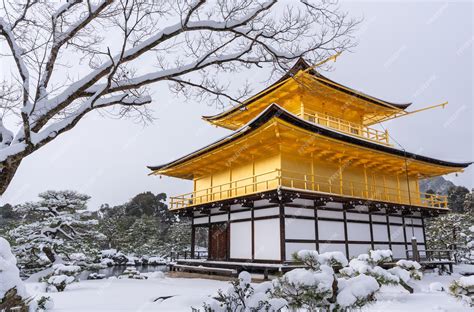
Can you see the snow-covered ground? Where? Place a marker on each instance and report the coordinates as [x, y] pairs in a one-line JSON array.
[[140, 295]]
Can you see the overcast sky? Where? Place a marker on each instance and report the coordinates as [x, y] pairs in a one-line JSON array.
[[408, 52]]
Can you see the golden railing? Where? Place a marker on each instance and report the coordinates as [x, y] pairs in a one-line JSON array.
[[330, 185], [345, 126]]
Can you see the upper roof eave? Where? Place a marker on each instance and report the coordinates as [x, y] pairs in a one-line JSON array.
[[276, 111], [301, 64]]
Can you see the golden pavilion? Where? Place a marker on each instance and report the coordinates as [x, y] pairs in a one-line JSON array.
[[304, 168]]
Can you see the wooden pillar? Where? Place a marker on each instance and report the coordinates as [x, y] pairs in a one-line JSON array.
[[316, 226], [253, 231], [193, 237], [371, 229], [341, 183], [254, 187], [388, 230], [414, 247], [282, 233], [366, 182], [312, 171], [346, 236], [405, 234], [399, 190]]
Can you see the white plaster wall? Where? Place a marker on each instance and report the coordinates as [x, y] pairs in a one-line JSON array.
[[331, 230], [219, 218], [379, 218], [262, 202], [334, 205], [332, 247], [201, 220], [267, 239], [236, 207], [305, 202], [380, 232], [295, 247], [357, 216], [415, 221], [215, 210], [330, 214], [293, 211], [396, 233], [266, 212], [241, 240], [357, 249], [418, 234], [299, 229], [398, 251], [358, 231], [395, 219], [240, 215], [381, 247]]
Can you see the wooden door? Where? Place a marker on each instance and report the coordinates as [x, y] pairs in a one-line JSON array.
[[218, 241]]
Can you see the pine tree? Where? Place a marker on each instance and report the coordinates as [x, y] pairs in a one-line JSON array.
[[54, 228]]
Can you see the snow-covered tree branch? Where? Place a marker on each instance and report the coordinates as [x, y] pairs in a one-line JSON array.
[[73, 57]]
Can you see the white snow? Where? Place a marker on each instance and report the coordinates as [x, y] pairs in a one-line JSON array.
[[436, 286], [138, 295], [9, 273], [467, 281], [408, 264], [379, 255], [333, 257], [353, 289]]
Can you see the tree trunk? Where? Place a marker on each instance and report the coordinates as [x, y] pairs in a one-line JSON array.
[[50, 254], [8, 169]]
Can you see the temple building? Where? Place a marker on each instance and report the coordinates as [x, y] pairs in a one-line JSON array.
[[303, 168]]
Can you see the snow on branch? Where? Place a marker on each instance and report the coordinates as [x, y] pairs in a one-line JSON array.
[[77, 56]]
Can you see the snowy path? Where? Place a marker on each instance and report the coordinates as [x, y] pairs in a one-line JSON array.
[[138, 295]]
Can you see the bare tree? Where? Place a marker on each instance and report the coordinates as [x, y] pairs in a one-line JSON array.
[[72, 57]]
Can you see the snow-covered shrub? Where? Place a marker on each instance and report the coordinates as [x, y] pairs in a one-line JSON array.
[[133, 273], [306, 288], [70, 270], [463, 288], [356, 292], [44, 304], [370, 264], [318, 286], [157, 261], [95, 276], [243, 297], [12, 290], [107, 262], [412, 267], [59, 282], [61, 276], [112, 257]]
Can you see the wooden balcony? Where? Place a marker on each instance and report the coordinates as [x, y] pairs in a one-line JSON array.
[[347, 127], [321, 184]]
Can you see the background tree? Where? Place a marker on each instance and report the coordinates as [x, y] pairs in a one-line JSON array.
[[457, 198], [194, 46], [452, 231]]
